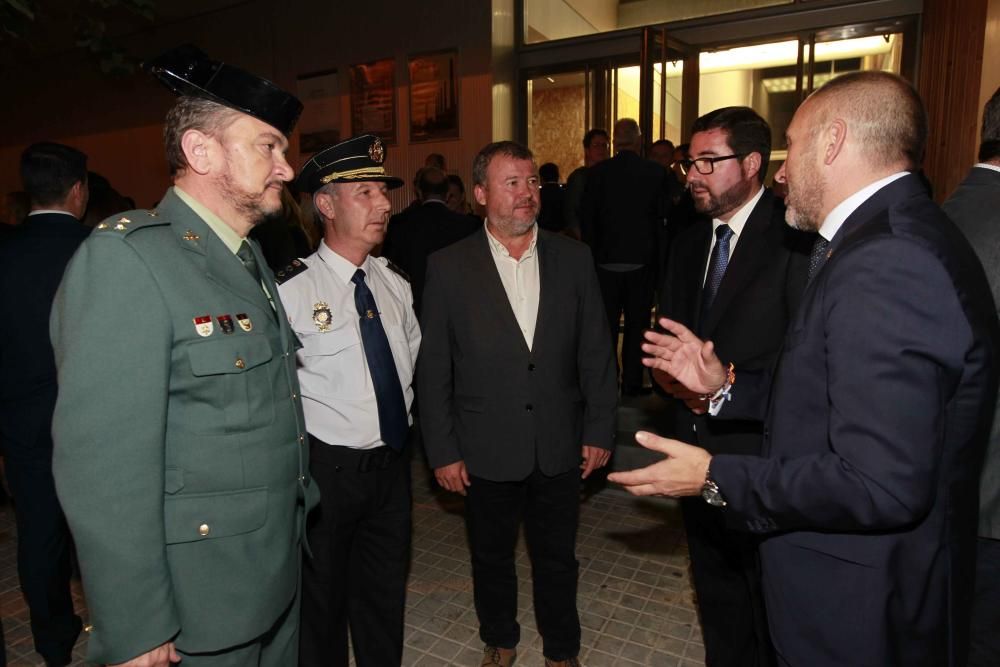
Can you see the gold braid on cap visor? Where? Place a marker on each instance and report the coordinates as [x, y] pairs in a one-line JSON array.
[[354, 173]]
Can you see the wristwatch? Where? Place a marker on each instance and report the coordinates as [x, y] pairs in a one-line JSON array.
[[710, 491]]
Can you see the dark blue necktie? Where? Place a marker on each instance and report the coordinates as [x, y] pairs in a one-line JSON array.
[[716, 266], [817, 255], [392, 419]]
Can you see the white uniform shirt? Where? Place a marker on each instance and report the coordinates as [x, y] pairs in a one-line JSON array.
[[338, 396], [520, 282]]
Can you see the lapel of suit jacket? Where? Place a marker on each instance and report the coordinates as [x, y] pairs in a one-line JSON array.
[[900, 189], [220, 265], [747, 259], [486, 274]]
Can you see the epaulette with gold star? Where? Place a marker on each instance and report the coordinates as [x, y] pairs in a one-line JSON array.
[[295, 268], [124, 223]]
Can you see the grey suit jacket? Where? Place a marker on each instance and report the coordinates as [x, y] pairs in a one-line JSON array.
[[488, 400], [975, 209]]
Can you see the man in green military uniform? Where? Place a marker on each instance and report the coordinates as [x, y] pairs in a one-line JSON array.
[[180, 451]]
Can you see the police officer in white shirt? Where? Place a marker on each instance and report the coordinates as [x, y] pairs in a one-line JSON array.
[[354, 316]]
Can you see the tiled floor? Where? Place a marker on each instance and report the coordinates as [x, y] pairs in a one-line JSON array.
[[635, 599]]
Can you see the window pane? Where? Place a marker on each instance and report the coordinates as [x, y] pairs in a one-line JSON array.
[[763, 76], [558, 19]]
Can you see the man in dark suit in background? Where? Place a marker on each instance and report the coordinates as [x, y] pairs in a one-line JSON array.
[[623, 206], [596, 148], [735, 276], [975, 208], [422, 229], [878, 407], [552, 215], [32, 262], [517, 384]]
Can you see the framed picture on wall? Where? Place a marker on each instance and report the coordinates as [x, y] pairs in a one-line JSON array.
[[319, 125], [433, 96], [373, 99]]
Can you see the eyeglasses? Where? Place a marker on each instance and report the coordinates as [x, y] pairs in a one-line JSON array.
[[706, 165]]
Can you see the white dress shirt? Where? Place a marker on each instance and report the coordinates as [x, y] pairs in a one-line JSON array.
[[842, 211], [736, 223], [520, 282], [338, 397]]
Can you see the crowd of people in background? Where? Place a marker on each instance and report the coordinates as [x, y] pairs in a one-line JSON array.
[[218, 396]]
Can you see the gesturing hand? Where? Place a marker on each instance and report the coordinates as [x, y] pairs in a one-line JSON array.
[[685, 357], [681, 473]]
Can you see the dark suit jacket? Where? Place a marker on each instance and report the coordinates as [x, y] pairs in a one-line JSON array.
[[880, 406], [32, 262], [624, 203], [419, 231], [489, 400], [758, 295], [975, 208]]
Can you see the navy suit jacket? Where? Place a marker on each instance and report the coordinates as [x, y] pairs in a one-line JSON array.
[[873, 442], [32, 262], [758, 295], [488, 400]]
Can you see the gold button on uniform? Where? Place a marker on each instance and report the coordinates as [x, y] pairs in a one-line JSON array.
[[240, 363], [88, 628], [203, 529]]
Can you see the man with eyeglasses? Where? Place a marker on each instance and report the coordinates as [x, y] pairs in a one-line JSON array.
[[735, 275]]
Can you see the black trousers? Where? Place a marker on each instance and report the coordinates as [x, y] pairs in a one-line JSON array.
[[726, 571], [44, 546], [630, 292], [360, 541], [985, 646], [550, 509]]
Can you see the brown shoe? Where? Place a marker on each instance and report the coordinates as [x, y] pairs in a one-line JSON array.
[[495, 656], [572, 662]]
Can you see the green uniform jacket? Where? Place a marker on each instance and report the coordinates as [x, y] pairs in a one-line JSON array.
[[180, 456]]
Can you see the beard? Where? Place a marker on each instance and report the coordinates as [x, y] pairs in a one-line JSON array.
[[514, 225], [253, 207], [805, 195], [731, 199]]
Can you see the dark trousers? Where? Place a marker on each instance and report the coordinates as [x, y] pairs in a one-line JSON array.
[[360, 541], [630, 292], [985, 646], [43, 541], [726, 571], [550, 509]]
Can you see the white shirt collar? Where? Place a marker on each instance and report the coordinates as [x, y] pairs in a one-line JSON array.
[[341, 267], [986, 165], [501, 249], [739, 219], [842, 211]]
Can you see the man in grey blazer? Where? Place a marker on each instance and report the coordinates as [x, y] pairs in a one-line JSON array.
[[975, 208], [517, 386]]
